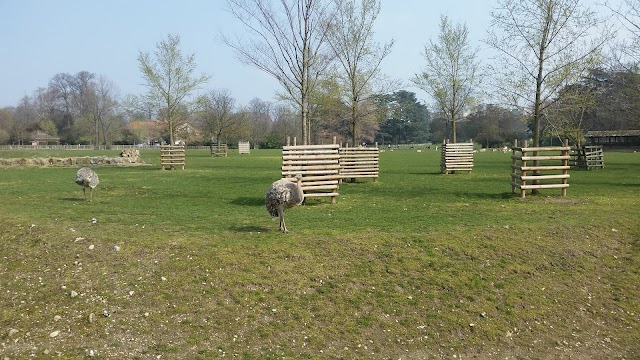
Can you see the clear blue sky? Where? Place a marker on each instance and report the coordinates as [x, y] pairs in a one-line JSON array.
[[40, 38]]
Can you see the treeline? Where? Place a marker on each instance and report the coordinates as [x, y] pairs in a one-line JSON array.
[[86, 109]]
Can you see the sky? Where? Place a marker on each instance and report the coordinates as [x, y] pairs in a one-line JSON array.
[[41, 38]]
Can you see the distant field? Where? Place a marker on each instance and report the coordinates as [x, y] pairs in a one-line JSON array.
[[415, 265]]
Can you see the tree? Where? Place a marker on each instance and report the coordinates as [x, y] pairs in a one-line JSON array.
[[627, 52], [358, 55], [24, 116], [104, 108], [543, 45], [288, 42], [217, 116], [451, 73], [170, 80], [61, 88], [494, 126], [404, 119], [259, 114]]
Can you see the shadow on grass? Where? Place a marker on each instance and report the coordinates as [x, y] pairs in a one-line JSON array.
[[249, 229], [486, 196], [248, 201]]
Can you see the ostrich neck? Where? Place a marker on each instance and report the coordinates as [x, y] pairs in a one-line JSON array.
[[300, 192]]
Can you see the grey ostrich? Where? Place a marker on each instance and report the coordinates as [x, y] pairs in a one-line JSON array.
[[87, 178], [282, 195]]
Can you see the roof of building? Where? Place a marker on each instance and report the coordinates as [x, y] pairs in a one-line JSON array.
[[611, 133]]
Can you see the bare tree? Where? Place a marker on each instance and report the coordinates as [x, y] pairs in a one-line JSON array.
[[358, 55], [544, 45], [451, 73], [627, 53], [104, 108], [288, 42], [217, 115], [260, 114], [170, 82]]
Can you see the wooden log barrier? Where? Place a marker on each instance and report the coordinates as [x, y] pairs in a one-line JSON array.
[[588, 157], [244, 147], [319, 166], [219, 149], [172, 156], [456, 157], [534, 168], [359, 162]]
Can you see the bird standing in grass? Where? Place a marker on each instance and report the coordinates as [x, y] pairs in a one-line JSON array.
[[282, 195], [87, 178]]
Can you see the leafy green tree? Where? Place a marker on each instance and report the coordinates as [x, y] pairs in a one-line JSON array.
[[544, 45], [404, 119], [451, 73], [171, 82], [494, 126]]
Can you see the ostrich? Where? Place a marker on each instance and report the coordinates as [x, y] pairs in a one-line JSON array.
[[86, 177], [282, 195]]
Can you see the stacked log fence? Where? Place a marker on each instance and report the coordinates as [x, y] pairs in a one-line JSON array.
[[534, 168], [456, 157], [219, 149], [359, 162], [319, 166], [244, 147], [588, 157], [172, 156]]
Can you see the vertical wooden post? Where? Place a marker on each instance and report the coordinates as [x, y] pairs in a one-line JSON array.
[[523, 173], [288, 140], [335, 140], [514, 164], [565, 162], [295, 141]]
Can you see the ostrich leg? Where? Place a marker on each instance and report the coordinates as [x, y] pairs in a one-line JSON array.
[[283, 227]]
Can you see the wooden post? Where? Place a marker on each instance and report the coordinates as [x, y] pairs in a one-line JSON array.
[[523, 173], [294, 141], [288, 140], [514, 163], [565, 162]]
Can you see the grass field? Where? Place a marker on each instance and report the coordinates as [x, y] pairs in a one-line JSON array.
[[416, 265]]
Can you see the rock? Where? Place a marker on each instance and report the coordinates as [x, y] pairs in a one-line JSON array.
[[73, 294], [91, 247], [57, 318], [116, 248], [54, 334], [12, 332], [91, 318], [106, 313]]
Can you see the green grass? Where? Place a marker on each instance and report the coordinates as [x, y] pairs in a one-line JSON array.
[[415, 265]]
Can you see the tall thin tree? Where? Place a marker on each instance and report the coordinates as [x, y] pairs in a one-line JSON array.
[[451, 75], [358, 55], [288, 42], [543, 45], [171, 82]]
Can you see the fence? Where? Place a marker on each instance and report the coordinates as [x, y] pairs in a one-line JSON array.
[[359, 162], [532, 168], [219, 149], [319, 166], [244, 147], [456, 157], [172, 156], [588, 157]]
